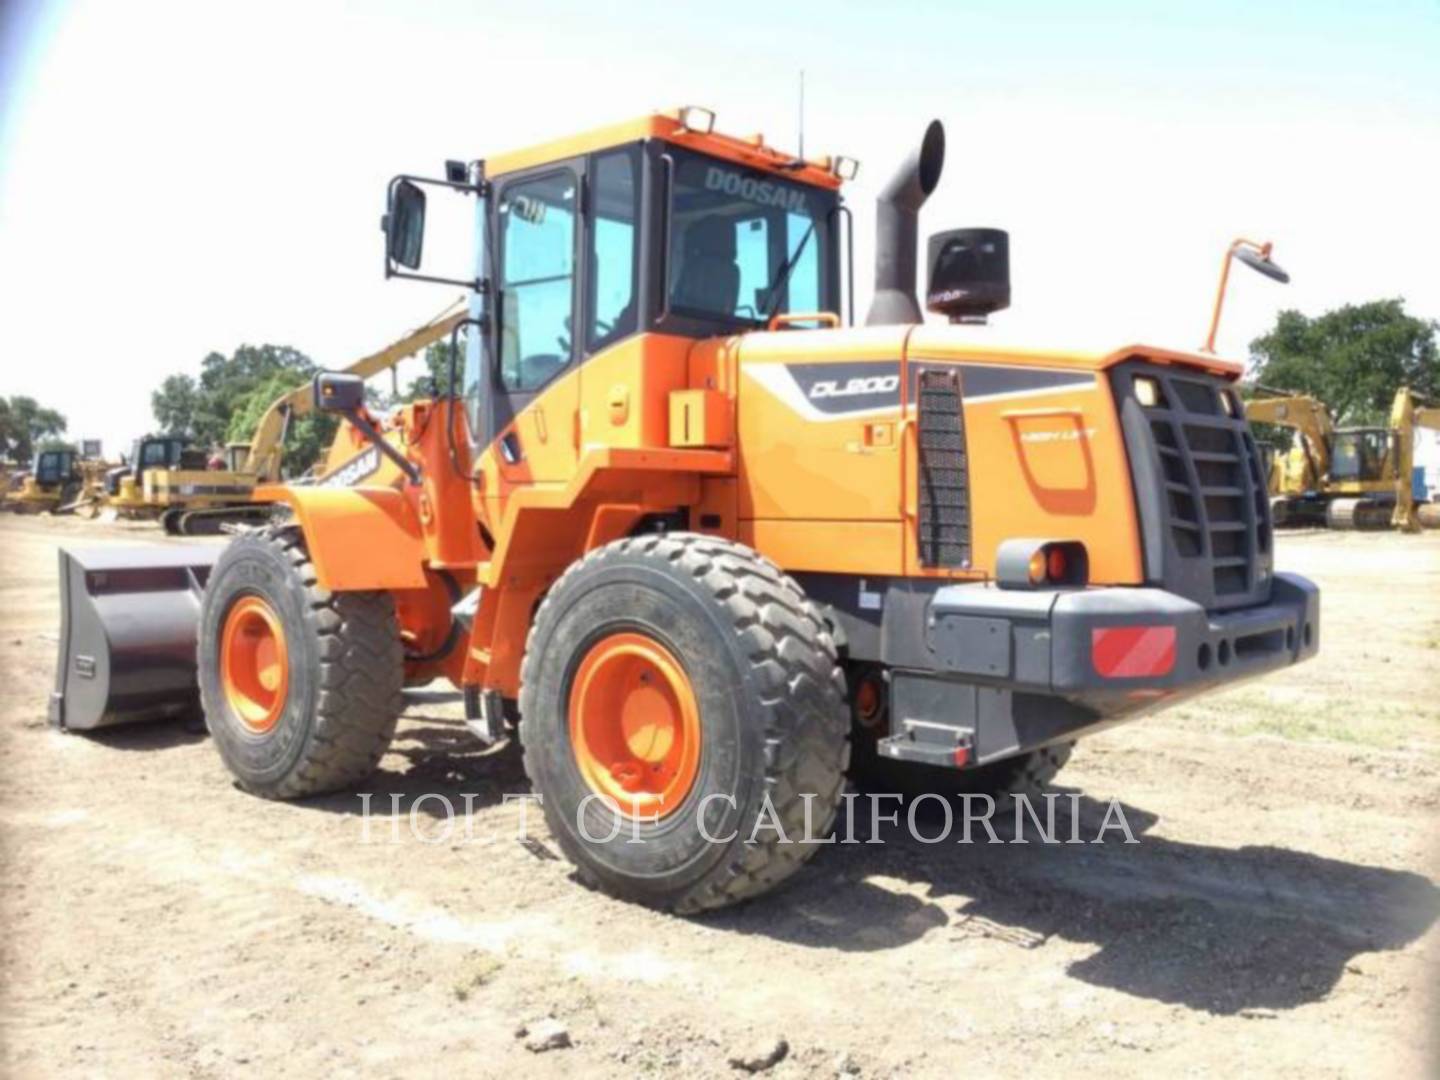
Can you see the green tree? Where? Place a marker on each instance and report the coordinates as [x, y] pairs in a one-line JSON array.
[[24, 423], [175, 404], [307, 438], [209, 408], [436, 377], [1353, 358]]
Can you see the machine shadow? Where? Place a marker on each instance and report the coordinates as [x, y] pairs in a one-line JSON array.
[[159, 735], [435, 754], [1213, 929]]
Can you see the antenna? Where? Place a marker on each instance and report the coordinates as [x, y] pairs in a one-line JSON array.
[[801, 154]]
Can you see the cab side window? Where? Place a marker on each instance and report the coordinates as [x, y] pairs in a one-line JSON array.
[[537, 278], [615, 209], [752, 256]]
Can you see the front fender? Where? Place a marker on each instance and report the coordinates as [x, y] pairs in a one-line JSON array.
[[359, 538]]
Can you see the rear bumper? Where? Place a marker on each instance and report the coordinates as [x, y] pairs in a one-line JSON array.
[[996, 672]]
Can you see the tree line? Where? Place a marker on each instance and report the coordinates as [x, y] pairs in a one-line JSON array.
[[27, 426], [1353, 359]]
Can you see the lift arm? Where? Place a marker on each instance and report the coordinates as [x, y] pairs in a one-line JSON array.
[[267, 445], [1405, 416]]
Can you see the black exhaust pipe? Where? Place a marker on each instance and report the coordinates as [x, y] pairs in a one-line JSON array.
[[897, 230]]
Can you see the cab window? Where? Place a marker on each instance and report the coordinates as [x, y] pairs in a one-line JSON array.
[[155, 453], [615, 210], [745, 245], [537, 247]]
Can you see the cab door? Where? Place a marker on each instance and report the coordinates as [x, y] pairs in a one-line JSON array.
[[536, 395]]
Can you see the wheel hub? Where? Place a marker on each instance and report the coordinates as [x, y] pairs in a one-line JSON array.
[[254, 664], [635, 725]]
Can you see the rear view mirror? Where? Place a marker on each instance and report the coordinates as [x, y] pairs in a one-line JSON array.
[[405, 224], [1262, 263]]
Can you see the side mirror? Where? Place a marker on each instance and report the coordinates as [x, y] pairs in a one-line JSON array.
[[1262, 263], [338, 393], [405, 224]]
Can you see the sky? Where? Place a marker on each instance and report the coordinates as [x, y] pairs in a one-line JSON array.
[[181, 178]]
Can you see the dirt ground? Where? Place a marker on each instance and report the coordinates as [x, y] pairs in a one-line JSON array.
[[1277, 914]]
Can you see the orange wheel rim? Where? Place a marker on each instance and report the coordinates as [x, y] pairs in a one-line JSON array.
[[867, 702], [254, 664], [635, 725]]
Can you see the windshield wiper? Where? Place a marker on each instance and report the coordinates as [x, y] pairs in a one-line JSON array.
[[782, 276]]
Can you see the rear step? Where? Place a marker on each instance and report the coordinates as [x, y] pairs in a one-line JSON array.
[[128, 619]]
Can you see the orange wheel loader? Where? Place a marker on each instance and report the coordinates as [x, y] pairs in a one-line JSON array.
[[701, 546]]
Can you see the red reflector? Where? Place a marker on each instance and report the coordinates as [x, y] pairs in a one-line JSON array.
[[962, 755], [1133, 652]]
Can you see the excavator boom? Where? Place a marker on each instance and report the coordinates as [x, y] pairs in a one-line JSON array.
[[268, 444], [1304, 414]]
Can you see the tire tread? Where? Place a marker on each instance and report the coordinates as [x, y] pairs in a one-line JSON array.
[[787, 646], [359, 681]]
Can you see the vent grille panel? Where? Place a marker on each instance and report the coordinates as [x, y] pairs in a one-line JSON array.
[[943, 525], [1210, 513]]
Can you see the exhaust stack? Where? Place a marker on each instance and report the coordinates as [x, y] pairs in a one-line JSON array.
[[897, 231]]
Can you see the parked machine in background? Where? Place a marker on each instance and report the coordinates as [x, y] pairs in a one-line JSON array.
[[701, 547], [55, 479], [169, 478], [59, 480], [1345, 478]]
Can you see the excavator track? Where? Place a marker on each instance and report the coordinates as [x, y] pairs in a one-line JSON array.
[[1358, 514], [212, 520]]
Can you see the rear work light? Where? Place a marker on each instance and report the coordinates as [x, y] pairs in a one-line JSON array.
[[1040, 564], [1147, 392]]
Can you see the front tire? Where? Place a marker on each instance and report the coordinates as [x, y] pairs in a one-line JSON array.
[[687, 678], [301, 686]]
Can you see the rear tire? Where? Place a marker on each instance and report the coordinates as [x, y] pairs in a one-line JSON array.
[[334, 710], [760, 666]]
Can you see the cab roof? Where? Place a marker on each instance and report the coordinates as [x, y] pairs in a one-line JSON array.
[[751, 151]]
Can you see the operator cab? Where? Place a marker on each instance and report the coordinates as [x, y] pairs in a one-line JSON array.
[[151, 452], [657, 226], [1359, 454], [55, 467]]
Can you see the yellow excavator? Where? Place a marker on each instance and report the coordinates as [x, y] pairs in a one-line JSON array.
[[1345, 478], [168, 479]]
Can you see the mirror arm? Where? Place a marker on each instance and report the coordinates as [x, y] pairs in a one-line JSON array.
[[482, 188], [366, 428], [1263, 250], [473, 283]]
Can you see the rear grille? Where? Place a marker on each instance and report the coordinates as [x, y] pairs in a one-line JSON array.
[[1199, 485], [943, 525]]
